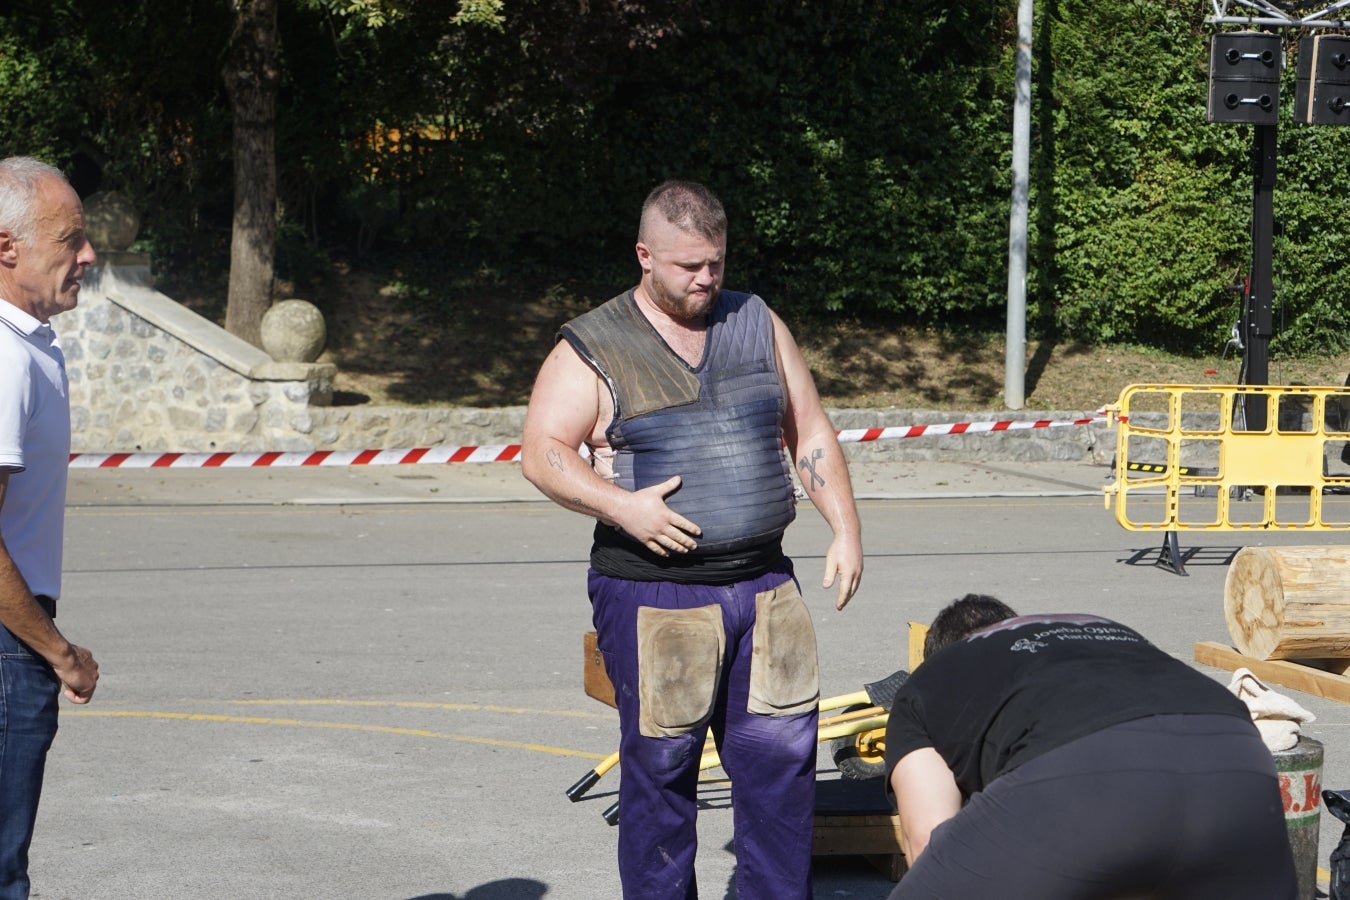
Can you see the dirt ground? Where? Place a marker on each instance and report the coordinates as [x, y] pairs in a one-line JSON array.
[[480, 343]]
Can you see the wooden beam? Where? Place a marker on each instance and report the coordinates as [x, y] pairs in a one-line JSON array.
[[917, 632], [594, 679], [1283, 672]]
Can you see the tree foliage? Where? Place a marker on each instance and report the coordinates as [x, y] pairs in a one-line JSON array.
[[862, 148]]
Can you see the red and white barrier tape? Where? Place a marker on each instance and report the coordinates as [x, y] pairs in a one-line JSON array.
[[500, 453], [493, 453], [876, 434]]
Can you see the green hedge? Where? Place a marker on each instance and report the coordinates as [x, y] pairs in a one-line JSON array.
[[862, 148]]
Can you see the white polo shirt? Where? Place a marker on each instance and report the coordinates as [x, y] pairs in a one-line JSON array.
[[34, 446]]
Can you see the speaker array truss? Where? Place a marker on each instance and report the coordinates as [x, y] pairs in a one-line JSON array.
[[1244, 85], [1264, 13]]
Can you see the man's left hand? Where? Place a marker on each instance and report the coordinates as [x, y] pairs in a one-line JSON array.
[[844, 563]]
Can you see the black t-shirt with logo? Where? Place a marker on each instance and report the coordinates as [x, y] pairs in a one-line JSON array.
[[1014, 690]]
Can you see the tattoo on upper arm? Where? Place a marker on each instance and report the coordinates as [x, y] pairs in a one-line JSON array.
[[555, 460], [808, 466]]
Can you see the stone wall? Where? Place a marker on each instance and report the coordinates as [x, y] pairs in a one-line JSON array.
[[1094, 442], [146, 374], [394, 427], [361, 428]]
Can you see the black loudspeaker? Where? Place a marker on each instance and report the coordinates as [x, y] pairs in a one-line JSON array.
[[1323, 80], [1244, 78]]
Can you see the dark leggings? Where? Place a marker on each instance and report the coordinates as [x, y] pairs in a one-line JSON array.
[[1184, 807]]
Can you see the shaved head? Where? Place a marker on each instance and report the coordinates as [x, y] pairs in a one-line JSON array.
[[688, 206]]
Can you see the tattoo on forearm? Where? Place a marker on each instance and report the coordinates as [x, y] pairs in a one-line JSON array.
[[808, 466], [555, 460], [584, 505]]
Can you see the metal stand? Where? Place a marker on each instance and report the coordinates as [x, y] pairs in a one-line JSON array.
[[1170, 555], [1257, 319]]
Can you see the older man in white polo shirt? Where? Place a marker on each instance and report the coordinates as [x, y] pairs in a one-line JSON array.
[[43, 255]]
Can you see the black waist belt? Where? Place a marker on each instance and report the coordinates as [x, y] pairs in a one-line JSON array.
[[619, 556], [47, 603]]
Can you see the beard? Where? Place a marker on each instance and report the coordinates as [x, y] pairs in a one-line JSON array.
[[682, 305]]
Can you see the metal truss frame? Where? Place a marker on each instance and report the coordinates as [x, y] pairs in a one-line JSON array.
[[1268, 14]]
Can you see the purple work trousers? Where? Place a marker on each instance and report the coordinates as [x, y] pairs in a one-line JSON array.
[[770, 758]]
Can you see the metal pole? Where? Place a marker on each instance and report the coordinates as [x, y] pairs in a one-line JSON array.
[[1015, 355], [1258, 321]]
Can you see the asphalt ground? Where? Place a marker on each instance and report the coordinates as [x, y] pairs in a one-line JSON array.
[[366, 682]]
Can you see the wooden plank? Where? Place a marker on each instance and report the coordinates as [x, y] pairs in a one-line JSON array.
[[1285, 673], [917, 632], [852, 839], [853, 819], [891, 823], [874, 838], [594, 679]]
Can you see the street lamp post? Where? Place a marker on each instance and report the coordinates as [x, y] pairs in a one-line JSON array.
[[1015, 349]]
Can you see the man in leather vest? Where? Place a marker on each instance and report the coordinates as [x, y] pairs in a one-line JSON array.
[[685, 395]]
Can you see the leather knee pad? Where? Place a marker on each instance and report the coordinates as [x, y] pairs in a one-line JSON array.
[[784, 671], [679, 665]]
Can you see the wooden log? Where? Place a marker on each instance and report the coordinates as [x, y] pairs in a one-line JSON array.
[[1289, 602]]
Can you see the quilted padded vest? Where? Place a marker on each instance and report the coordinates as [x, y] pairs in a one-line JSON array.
[[718, 425]]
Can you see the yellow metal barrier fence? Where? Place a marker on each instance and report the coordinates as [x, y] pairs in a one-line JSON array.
[[1186, 461]]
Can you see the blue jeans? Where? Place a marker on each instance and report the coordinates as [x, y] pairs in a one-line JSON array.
[[28, 709]]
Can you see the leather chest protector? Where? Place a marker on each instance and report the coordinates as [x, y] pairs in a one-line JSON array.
[[717, 426]]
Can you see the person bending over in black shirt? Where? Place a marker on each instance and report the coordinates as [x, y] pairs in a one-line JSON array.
[[1064, 756]]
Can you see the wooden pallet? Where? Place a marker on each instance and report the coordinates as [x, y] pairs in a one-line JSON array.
[[1321, 678], [852, 819]]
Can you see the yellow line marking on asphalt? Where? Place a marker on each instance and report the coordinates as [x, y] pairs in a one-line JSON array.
[[335, 726], [346, 507], [415, 704]]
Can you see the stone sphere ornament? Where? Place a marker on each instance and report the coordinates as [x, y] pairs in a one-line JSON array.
[[293, 331], [111, 221]]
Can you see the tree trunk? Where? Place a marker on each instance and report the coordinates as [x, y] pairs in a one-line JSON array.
[[1289, 602], [251, 75]]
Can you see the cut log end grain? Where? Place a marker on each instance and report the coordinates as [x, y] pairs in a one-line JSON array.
[[1289, 602]]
